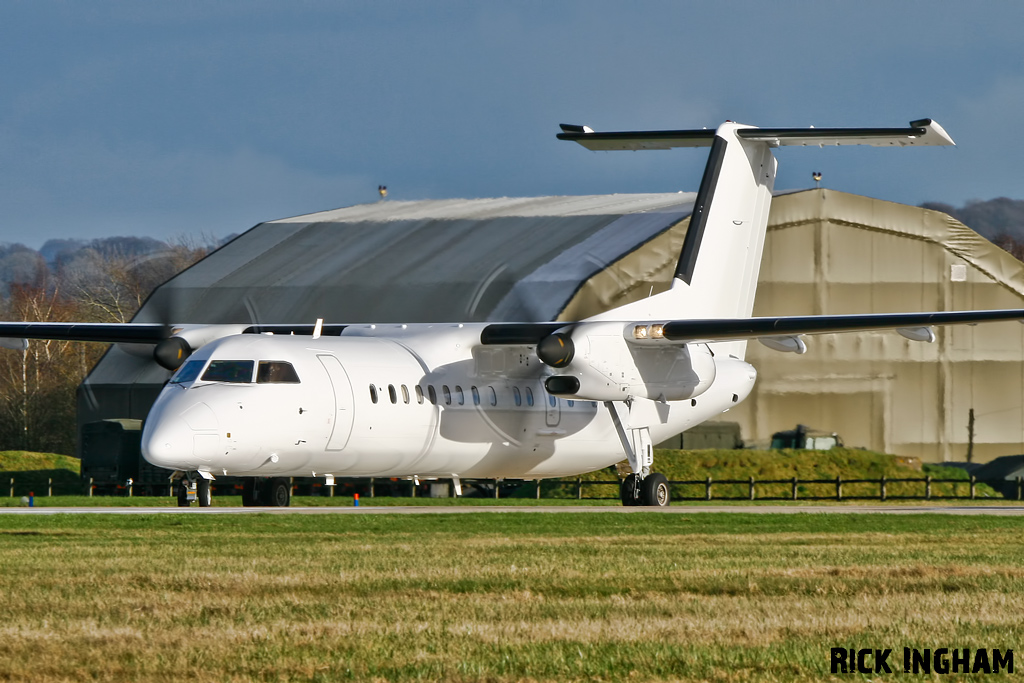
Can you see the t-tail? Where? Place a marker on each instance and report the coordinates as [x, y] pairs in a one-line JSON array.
[[716, 275]]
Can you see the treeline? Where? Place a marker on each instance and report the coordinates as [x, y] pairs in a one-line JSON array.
[[103, 280], [999, 220]]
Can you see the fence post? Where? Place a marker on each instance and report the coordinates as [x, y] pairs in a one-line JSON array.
[[883, 487], [579, 488], [49, 487], [707, 489], [538, 489], [928, 487], [412, 482], [12, 487], [371, 487], [839, 487], [1019, 482], [495, 489], [794, 488], [973, 482], [751, 487]]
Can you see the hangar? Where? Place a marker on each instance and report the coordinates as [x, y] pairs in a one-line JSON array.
[[566, 258]]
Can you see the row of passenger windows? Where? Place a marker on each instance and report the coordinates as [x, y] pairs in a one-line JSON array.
[[457, 396], [238, 372]]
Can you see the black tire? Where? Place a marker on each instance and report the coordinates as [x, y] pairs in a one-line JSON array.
[[183, 501], [279, 493], [654, 491], [203, 493], [627, 491], [249, 498]]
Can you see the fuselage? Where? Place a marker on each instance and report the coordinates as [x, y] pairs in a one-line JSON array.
[[415, 400]]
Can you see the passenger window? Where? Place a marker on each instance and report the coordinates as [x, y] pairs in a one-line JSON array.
[[432, 395], [476, 395], [419, 393], [235, 371], [392, 394], [516, 396], [552, 401], [188, 372], [447, 394], [570, 403], [373, 393], [276, 372], [460, 397], [529, 396], [405, 394], [494, 397]]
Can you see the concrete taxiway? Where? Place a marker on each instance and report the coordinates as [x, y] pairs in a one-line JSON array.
[[1003, 511]]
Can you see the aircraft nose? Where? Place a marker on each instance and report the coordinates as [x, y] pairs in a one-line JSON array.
[[167, 442], [181, 437]]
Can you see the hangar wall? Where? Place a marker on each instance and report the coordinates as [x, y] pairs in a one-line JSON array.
[[829, 252]]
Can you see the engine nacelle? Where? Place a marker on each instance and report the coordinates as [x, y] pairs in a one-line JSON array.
[[603, 366]]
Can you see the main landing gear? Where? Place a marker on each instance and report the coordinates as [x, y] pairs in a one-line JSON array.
[[651, 490], [642, 487], [276, 492]]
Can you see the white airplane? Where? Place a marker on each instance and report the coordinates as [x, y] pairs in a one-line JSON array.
[[494, 400]]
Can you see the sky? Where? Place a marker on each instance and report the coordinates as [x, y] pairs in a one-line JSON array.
[[206, 118]]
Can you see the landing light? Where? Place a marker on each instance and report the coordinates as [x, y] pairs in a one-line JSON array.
[[657, 331], [640, 332]]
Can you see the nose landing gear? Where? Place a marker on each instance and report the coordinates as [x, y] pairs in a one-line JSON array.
[[194, 488]]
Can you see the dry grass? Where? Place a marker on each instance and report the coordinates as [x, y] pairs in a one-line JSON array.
[[494, 597]]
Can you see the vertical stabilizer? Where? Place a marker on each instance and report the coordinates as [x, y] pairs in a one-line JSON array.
[[716, 276]]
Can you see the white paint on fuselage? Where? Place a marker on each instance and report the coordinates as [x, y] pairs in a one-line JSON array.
[[475, 429]]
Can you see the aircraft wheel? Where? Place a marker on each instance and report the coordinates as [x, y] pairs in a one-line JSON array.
[[249, 498], [183, 501], [203, 494], [279, 493], [654, 490], [627, 491]]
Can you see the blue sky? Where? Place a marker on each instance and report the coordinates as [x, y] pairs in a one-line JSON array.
[[163, 119]]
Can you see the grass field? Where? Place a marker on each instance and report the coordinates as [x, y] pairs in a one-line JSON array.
[[495, 597]]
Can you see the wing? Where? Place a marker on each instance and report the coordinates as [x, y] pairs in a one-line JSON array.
[[111, 333], [754, 328], [911, 325]]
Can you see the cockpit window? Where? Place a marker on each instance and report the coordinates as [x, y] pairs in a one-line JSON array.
[[276, 372], [188, 372], [237, 371]]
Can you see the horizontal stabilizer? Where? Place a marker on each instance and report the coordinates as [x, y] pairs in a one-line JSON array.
[[923, 132]]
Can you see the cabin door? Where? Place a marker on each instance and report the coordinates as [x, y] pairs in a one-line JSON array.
[[343, 412]]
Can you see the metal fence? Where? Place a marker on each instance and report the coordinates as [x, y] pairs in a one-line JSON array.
[[754, 489]]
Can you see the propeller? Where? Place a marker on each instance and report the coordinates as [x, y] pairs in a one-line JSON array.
[[172, 351]]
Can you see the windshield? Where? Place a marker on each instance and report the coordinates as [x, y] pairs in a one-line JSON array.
[[238, 371], [188, 372]]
